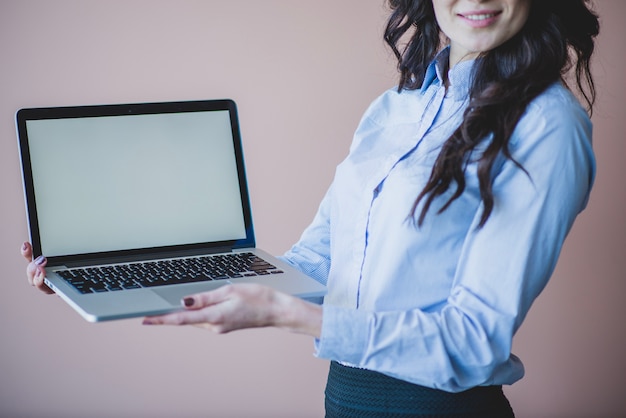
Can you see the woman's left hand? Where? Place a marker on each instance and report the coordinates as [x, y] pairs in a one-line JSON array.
[[240, 306]]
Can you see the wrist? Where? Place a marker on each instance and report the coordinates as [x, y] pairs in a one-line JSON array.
[[296, 315]]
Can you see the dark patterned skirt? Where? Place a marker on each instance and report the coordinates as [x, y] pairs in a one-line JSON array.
[[358, 393]]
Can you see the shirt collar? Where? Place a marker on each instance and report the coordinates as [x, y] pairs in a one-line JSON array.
[[460, 76]]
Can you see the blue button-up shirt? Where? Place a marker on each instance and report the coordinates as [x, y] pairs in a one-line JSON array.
[[438, 305]]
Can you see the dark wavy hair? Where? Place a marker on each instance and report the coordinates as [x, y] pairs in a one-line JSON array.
[[556, 41]]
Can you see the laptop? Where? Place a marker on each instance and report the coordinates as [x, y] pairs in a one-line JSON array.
[[137, 205]]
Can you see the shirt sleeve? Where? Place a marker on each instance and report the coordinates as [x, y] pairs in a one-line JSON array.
[[311, 254], [502, 268]]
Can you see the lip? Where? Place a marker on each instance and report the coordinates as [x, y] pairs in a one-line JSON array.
[[480, 18]]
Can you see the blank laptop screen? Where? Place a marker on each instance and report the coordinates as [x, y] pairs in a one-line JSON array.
[[135, 181]]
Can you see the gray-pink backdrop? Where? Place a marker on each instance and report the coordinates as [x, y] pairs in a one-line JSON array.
[[302, 73]]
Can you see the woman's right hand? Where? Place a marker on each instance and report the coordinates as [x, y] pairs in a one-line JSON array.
[[35, 271]]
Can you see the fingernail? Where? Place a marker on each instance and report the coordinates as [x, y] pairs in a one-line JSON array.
[[147, 321], [24, 246], [40, 260], [188, 302]]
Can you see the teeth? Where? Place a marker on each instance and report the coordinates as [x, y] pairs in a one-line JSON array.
[[480, 17]]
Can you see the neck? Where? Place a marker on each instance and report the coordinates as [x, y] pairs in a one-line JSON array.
[[458, 55]]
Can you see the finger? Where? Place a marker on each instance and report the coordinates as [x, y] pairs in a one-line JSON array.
[[34, 266], [204, 318], [38, 278], [204, 299], [31, 270], [38, 281], [36, 273], [27, 251]]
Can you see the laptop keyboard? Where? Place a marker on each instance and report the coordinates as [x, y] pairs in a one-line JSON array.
[[165, 272]]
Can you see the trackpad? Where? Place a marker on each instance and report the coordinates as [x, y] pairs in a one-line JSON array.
[[174, 294]]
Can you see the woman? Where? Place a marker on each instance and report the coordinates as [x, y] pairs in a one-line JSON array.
[[446, 219]]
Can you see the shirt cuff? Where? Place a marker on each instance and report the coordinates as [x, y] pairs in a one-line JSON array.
[[344, 335]]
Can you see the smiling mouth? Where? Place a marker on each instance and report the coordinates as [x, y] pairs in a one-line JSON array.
[[477, 17]]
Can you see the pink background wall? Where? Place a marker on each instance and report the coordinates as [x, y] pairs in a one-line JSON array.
[[302, 73]]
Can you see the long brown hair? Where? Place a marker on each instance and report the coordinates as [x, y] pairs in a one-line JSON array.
[[557, 39]]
